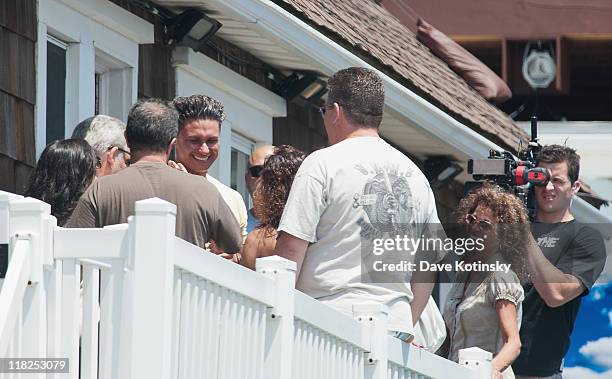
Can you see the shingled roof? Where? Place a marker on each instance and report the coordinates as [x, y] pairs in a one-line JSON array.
[[372, 33]]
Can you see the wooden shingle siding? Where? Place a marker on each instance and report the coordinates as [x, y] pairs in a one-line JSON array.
[[17, 131], [302, 128], [7, 173], [18, 32], [14, 175], [25, 22], [17, 72], [155, 72], [22, 176]]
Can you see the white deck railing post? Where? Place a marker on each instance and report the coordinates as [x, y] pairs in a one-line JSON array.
[[149, 327], [5, 198], [375, 316], [30, 218], [478, 360], [278, 354]]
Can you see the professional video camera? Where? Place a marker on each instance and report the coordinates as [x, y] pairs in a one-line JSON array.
[[517, 175]]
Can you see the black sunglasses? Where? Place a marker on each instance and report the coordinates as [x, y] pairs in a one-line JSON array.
[[255, 171]]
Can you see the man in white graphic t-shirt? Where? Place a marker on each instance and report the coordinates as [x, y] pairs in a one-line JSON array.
[[346, 195]]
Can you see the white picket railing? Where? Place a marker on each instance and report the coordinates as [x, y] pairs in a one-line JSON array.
[[135, 301]]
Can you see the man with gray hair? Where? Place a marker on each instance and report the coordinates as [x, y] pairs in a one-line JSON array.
[[106, 135], [201, 215]]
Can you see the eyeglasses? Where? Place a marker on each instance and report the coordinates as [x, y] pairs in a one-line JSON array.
[[323, 109], [127, 156], [484, 225], [255, 171]]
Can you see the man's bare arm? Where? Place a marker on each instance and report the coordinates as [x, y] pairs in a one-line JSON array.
[[554, 286], [421, 283], [292, 248]]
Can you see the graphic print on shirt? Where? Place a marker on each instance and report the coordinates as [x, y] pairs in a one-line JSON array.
[[548, 241], [387, 201]]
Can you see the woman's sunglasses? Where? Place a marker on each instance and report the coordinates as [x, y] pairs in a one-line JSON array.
[[484, 225]]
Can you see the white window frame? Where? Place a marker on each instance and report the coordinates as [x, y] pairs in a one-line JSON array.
[[246, 146], [249, 107], [99, 35], [116, 94]]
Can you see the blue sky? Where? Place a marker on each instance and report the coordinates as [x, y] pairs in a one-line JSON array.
[[590, 353]]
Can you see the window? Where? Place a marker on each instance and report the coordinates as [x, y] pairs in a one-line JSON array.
[[113, 86], [88, 66], [56, 89], [241, 150]]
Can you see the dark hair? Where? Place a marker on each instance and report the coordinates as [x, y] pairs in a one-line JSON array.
[[151, 125], [512, 219], [196, 107], [560, 154], [64, 171], [361, 94], [274, 184]]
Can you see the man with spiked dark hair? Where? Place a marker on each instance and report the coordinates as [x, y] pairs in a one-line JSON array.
[[564, 260], [197, 147]]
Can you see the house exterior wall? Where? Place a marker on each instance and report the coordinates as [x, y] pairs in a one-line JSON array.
[[300, 126], [303, 128], [17, 93]]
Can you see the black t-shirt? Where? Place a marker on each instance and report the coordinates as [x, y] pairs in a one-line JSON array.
[[576, 249]]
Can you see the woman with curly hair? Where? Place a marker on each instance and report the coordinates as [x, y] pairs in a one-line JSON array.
[[64, 171], [484, 308], [269, 198]]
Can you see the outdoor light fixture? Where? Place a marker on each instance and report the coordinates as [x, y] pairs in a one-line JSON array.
[[192, 28], [441, 170], [308, 85]]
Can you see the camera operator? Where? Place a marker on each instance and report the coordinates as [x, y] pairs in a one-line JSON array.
[[564, 259]]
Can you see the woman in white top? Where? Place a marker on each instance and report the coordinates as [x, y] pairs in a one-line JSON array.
[[484, 307]]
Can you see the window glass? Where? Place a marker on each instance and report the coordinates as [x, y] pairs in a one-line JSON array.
[[240, 163], [56, 91]]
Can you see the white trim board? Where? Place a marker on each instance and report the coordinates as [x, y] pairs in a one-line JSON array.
[[569, 127], [229, 81], [114, 18]]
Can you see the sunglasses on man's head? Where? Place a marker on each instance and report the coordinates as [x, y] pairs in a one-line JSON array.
[[255, 171]]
